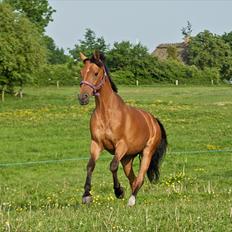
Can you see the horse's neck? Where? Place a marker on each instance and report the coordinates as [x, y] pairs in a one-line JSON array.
[[106, 99]]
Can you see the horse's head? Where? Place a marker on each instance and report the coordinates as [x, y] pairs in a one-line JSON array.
[[93, 77]]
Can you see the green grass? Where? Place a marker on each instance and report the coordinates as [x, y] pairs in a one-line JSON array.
[[195, 189]]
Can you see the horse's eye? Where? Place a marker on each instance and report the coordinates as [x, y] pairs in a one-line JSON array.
[[96, 73]]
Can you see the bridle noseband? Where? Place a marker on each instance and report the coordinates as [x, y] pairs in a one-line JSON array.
[[96, 87]]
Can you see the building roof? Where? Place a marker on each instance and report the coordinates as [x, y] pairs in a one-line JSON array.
[[165, 45]]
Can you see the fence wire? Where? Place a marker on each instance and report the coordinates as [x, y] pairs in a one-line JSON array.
[[40, 162]]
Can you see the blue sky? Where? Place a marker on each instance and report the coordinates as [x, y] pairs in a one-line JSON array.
[[150, 22]]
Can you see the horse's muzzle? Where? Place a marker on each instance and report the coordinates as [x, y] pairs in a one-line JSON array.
[[83, 98]]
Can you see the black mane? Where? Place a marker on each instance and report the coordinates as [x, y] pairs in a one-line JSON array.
[[101, 63]]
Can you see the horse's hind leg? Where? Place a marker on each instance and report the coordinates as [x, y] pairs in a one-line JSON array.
[[95, 150], [137, 184], [127, 163]]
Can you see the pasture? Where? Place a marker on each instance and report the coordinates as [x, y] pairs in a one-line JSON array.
[[195, 189]]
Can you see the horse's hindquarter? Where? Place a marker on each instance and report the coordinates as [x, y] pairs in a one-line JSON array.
[[140, 131]]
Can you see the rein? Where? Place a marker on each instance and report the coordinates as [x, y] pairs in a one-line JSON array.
[[96, 87]]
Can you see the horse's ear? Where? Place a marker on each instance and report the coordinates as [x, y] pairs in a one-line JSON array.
[[97, 55], [83, 57]]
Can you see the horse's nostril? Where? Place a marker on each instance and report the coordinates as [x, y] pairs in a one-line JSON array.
[[83, 98]]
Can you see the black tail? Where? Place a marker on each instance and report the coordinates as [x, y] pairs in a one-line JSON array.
[[153, 170]]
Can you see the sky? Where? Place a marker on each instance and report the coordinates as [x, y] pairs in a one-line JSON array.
[[149, 22]]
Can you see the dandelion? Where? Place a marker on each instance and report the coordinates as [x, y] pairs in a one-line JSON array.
[[213, 147]]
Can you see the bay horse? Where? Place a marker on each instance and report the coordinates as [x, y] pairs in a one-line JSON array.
[[122, 130]]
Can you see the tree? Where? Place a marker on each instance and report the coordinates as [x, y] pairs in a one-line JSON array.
[[21, 48], [132, 60], [55, 55], [39, 12], [207, 50], [227, 37], [89, 44], [226, 69], [120, 55], [125, 54]]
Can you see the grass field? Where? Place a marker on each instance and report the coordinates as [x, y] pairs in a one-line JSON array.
[[193, 194]]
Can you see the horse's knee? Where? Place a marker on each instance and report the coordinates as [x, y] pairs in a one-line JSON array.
[[114, 165]]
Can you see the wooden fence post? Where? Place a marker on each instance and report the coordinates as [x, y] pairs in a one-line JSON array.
[[3, 93]]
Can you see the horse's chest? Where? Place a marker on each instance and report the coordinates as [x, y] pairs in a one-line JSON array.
[[107, 137], [105, 130]]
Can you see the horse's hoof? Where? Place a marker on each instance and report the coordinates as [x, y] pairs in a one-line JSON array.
[[87, 199], [131, 201], [119, 192]]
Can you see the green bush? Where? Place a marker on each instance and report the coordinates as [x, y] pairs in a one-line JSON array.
[[148, 71], [172, 70], [123, 77], [66, 74]]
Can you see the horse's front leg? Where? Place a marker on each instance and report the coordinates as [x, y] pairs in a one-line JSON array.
[[120, 151], [95, 150]]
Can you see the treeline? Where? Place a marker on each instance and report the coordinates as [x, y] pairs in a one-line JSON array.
[[29, 56]]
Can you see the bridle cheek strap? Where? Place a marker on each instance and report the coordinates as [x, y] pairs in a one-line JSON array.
[[95, 87]]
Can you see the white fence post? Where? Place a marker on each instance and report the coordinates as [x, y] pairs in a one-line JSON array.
[[177, 82]]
